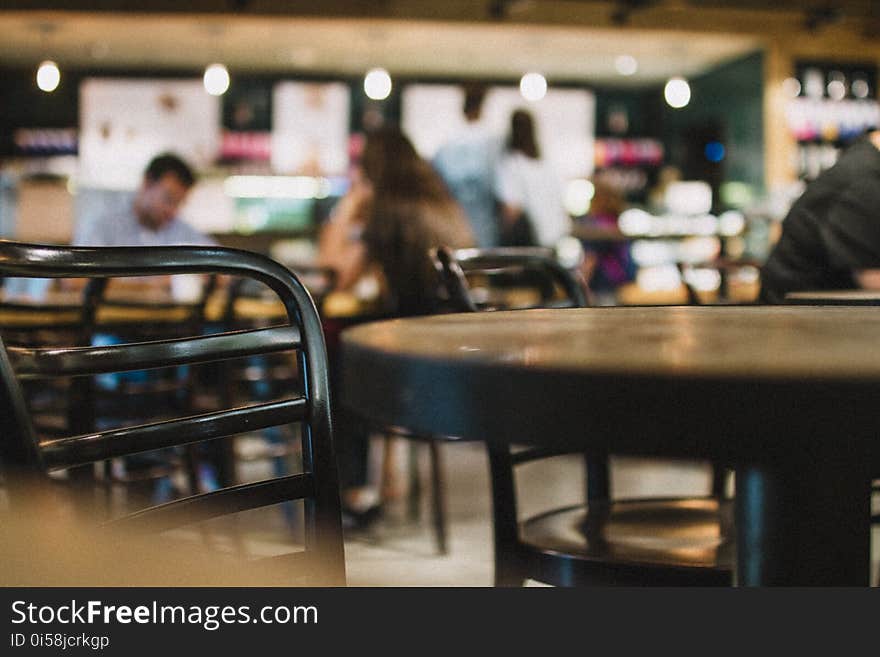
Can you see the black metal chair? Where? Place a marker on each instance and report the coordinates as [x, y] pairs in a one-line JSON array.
[[322, 559], [504, 271], [675, 541], [511, 277]]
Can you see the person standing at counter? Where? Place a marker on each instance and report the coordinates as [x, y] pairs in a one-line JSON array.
[[831, 236], [467, 163], [529, 190]]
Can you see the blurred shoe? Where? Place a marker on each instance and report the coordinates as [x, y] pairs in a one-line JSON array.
[[360, 519]]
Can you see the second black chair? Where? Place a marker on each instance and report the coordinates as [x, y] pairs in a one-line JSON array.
[[674, 541]]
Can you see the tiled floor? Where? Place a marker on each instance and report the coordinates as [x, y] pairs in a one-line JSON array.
[[399, 552]]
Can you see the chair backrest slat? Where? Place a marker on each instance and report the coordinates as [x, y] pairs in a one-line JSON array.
[[222, 502], [79, 450], [79, 361]]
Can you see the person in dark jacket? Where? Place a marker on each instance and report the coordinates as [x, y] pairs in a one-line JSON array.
[[831, 236]]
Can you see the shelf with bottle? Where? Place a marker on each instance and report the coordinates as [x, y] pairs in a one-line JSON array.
[[626, 152], [626, 163], [824, 120], [824, 127], [45, 142], [830, 106]]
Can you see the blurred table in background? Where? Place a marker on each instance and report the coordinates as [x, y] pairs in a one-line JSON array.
[[834, 298]]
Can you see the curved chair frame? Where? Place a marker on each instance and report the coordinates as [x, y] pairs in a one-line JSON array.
[[450, 265], [539, 556], [317, 486]]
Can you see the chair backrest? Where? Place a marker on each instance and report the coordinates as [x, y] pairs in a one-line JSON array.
[[535, 268], [52, 318], [317, 485], [557, 287]]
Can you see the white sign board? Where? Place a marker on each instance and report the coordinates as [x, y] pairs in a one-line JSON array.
[[125, 123], [310, 128]]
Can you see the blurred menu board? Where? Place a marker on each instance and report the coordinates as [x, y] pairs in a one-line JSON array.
[[125, 123], [564, 121], [310, 128]]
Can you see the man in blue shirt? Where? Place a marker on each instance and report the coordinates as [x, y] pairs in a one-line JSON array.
[[152, 218]]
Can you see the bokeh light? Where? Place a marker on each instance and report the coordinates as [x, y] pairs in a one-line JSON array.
[[377, 84], [48, 76]]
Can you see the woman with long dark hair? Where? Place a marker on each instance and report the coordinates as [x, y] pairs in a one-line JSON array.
[[396, 210]]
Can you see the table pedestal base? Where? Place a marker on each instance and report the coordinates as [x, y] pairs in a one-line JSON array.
[[795, 528]]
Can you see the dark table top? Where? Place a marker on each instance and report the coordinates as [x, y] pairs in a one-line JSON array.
[[787, 395], [734, 382]]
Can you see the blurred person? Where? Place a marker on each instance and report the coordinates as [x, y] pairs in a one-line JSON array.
[[530, 192], [152, 220], [608, 263], [152, 217], [467, 163], [396, 209], [668, 175], [831, 235]]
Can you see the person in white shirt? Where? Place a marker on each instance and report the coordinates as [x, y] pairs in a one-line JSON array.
[[529, 190]]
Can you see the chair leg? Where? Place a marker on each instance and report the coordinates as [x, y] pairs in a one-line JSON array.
[[414, 497], [508, 565], [598, 477], [191, 465], [508, 574], [438, 497], [719, 481]]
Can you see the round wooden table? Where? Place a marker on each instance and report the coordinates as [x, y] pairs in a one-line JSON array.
[[786, 395]]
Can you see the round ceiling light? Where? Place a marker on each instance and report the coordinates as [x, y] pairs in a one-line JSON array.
[[533, 86], [377, 84], [48, 76], [216, 79], [677, 92]]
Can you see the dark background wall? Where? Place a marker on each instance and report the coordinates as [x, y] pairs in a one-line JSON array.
[[726, 105]]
